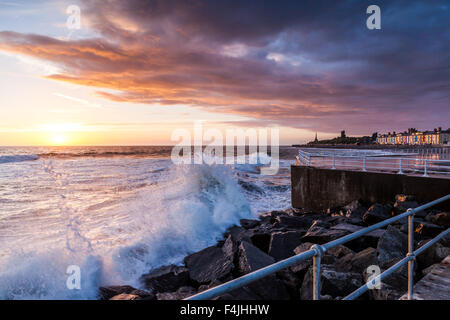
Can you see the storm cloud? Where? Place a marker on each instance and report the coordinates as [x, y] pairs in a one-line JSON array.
[[303, 64]]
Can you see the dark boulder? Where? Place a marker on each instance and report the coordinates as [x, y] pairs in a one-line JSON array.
[[377, 213], [435, 254], [320, 235], [354, 210], [238, 234], [209, 264], [166, 279], [392, 244], [282, 244], [394, 285], [441, 219], [368, 240], [249, 224], [358, 262], [251, 259], [180, 294], [261, 240], [106, 293], [333, 283], [302, 266], [293, 222], [428, 230]]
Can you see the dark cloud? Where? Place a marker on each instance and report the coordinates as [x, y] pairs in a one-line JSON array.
[[307, 64]]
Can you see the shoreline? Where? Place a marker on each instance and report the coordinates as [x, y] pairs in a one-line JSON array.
[[277, 235]]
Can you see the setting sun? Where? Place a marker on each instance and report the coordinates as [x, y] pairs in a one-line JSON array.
[[59, 139]]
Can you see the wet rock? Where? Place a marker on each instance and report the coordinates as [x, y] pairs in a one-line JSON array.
[[261, 240], [238, 234], [250, 259], [435, 254], [305, 264], [393, 286], [107, 293], [166, 279], [339, 251], [404, 197], [293, 222], [249, 224], [125, 296], [209, 264], [441, 219], [180, 294], [426, 229], [368, 240], [320, 235], [333, 283], [282, 244], [402, 206], [358, 262], [354, 210], [392, 244], [377, 213]]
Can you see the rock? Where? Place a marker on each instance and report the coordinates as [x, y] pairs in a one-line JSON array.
[[435, 254], [354, 210], [305, 264], [166, 279], [282, 244], [358, 262], [392, 244], [107, 293], [180, 294], [229, 247], [261, 240], [393, 286], [403, 206], [442, 219], [249, 224], [293, 222], [251, 259], [377, 213], [426, 229], [339, 251], [238, 234], [334, 283], [209, 264], [125, 296], [320, 235], [291, 281], [404, 197], [368, 240]]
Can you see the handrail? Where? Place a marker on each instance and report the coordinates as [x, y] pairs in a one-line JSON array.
[[376, 162], [317, 251]]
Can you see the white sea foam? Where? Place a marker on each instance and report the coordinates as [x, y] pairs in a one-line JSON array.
[[187, 210]]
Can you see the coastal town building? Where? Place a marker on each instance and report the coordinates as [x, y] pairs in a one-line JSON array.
[[415, 137]]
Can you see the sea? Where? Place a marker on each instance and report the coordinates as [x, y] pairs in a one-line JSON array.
[[116, 213]]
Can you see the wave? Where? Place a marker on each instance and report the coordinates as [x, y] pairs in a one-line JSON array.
[[18, 158], [188, 211]]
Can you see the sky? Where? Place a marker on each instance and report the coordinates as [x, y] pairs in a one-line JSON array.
[[137, 70]]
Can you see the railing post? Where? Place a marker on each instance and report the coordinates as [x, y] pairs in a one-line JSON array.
[[364, 163], [411, 255], [400, 171], [425, 171], [316, 271]]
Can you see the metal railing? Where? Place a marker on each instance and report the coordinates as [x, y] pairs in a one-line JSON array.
[[373, 162], [316, 252]]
